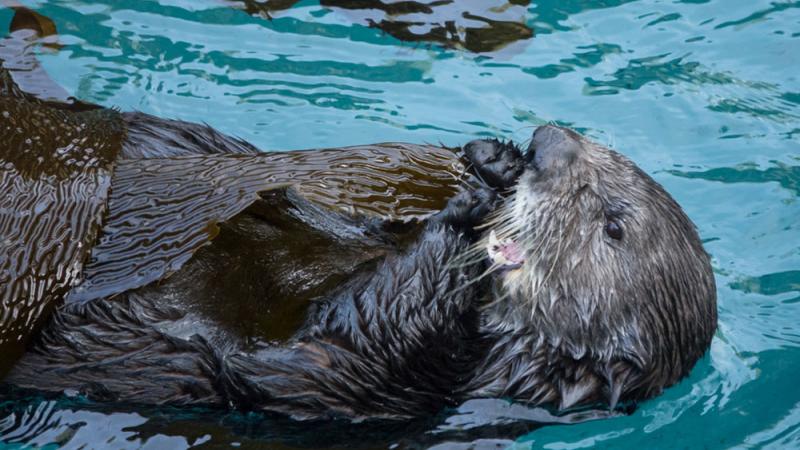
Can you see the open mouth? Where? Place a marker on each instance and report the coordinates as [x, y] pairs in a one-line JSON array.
[[505, 255]]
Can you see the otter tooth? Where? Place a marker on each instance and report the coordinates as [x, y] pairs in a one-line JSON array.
[[493, 241], [494, 249]]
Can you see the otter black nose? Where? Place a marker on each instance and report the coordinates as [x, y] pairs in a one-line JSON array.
[[552, 147]]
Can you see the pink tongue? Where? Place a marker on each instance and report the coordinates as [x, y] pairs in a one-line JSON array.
[[512, 254]]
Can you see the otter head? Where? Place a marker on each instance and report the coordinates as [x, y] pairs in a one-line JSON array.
[[612, 271]]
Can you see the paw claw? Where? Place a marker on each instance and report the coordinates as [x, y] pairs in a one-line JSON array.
[[498, 163]]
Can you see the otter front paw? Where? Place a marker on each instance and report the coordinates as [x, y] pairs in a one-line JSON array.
[[498, 163], [468, 208]]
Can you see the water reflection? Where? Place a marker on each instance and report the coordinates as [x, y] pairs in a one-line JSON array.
[[477, 26], [74, 423]]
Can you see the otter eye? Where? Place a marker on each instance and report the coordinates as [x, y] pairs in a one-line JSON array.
[[613, 230]]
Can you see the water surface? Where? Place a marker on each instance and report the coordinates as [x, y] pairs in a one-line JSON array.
[[703, 95]]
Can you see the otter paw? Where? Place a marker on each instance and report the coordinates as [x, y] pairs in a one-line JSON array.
[[468, 207], [498, 163]]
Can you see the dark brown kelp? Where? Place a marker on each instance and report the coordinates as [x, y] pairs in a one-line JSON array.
[[162, 210], [95, 202], [55, 172]]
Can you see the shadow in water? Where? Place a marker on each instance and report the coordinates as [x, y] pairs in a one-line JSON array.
[[480, 27], [76, 423]]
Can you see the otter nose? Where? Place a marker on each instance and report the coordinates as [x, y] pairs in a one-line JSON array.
[[552, 147]]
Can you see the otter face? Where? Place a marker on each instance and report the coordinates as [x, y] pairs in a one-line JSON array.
[[613, 268]]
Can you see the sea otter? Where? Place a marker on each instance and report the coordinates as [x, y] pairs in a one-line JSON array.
[[562, 276]]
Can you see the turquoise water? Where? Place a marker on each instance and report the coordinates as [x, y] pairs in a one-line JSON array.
[[703, 95]]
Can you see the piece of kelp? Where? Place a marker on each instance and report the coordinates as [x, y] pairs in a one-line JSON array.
[[162, 210], [55, 172], [21, 74]]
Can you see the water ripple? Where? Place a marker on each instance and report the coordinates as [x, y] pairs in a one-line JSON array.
[[788, 177]]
